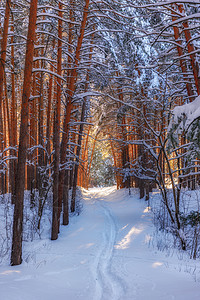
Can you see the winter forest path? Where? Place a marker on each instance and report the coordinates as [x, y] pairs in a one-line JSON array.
[[105, 253], [128, 268], [108, 285]]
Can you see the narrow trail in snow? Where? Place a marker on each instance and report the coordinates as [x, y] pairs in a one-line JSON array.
[[106, 253], [108, 285]]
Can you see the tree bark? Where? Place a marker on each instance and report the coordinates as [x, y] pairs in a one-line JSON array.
[[90, 164], [13, 131], [78, 149], [66, 199], [2, 74], [194, 62], [182, 62], [16, 254], [71, 89], [48, 121], [55, 216]]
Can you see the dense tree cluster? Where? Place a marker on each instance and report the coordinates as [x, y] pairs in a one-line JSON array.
[[74, 74]]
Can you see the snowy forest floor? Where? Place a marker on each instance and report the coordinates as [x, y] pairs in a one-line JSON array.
[[108, 252]]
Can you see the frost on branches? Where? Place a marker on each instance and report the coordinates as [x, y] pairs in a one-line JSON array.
[[185, 122]]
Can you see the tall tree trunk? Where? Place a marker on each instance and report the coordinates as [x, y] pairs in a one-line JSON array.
[[78, 149], [182, 61], [71, 89], [16, 254], [13, 121], [72, 153], [90, 164], [115, 161], [48, 121], [2, 75], [84, 160], [55, 215], [6, 132], [66, 199], [31, 169], [194, 62]]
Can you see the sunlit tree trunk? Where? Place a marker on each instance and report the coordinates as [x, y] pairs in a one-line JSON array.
[[71, 89], [16, 254], [115, 160], [90, 164], [84, 158], [190, 47], [6, 133], [182, 61], [66, 185], [2, 75], [66, 199], [13, 110]]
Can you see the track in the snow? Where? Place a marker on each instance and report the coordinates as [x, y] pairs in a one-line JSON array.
[[108, 284]]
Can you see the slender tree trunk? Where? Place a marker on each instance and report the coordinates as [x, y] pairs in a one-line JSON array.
[[55, 215], [194, 62], [115, 161], [72, 154], [66, 199], [6, 132], [16, 254], [31, 169], [71, 89], [13, 121], [2, 76], [84, 160], [48, 121], [182, 62], [90, 164], [37, 91], [78, 149]]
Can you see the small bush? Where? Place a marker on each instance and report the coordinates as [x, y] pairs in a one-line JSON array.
[[192, 219]]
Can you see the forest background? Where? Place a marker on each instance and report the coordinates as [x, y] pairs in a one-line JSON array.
[[76, 75]]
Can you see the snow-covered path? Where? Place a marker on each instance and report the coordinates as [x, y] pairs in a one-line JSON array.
[[103, 255], [108, 285]]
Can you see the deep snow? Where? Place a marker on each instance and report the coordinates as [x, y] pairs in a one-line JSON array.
[[105, 253]]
